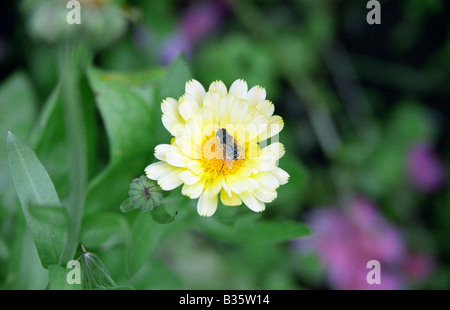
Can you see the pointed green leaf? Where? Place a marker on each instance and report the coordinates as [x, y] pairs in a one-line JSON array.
[[34, 189], [128, 111], [161, 216], [17, 113], [127, 206], [174, 81]]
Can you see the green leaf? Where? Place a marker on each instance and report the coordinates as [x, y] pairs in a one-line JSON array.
[[174, 81], [131, 115], [128, 112], [54, 216], [104, 230], [33, 184], [155, 275], [145, 235], [248, 230], [45, 118], [127, 206], [17, 113], [74, 58], [161, 216], [58, 279], [35, 188], [25, 270]]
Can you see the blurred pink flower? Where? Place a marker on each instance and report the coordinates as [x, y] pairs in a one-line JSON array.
[[426, 172], [197, 22], [346, 239]]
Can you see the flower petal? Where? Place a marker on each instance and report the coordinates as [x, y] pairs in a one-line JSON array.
[[188, 107], [171, 118], [266, 108], [189, 178], [156, 170], [193, 191], [256, 94], [239, 88], [275, 149], [234, 200], [207, 204], [238, 111], [274, 126], [170, 181], [196, 90], [218, 86], [161, 149], [281, 175], [176, 158], [251, 202], [265, 195]]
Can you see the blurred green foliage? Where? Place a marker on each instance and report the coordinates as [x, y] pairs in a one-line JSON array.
[[80, 117]]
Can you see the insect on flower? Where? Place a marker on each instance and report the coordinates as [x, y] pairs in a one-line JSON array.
[[231, 150]]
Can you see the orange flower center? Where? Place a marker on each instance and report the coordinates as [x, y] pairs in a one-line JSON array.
[[216, 161]]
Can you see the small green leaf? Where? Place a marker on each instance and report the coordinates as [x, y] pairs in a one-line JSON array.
[[161, 216], [127, 206], [35, 188]]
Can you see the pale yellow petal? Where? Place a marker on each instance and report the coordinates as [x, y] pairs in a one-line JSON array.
[[207, 204], [266, 108], [175, 157], [156, 170], [188, 107], [256, 94], [275, 149], [171, 117], [189, 178], [193, 191], [161, 149], [239, 88], [219, 87], [232, 200], [274, 126], [251, 202], [238, 111], [196, 90], [170, 181], [281, 175]]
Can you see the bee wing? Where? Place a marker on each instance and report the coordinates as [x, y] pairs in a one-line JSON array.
[[229, 163]]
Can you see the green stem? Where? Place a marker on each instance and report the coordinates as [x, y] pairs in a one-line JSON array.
[[74, 59]]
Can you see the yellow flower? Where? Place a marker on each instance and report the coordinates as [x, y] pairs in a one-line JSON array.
[[220, 147]]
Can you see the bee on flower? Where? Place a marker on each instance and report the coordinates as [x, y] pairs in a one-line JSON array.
[[220, 147]]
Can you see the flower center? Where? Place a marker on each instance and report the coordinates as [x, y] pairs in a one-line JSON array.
[[220, 158]]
